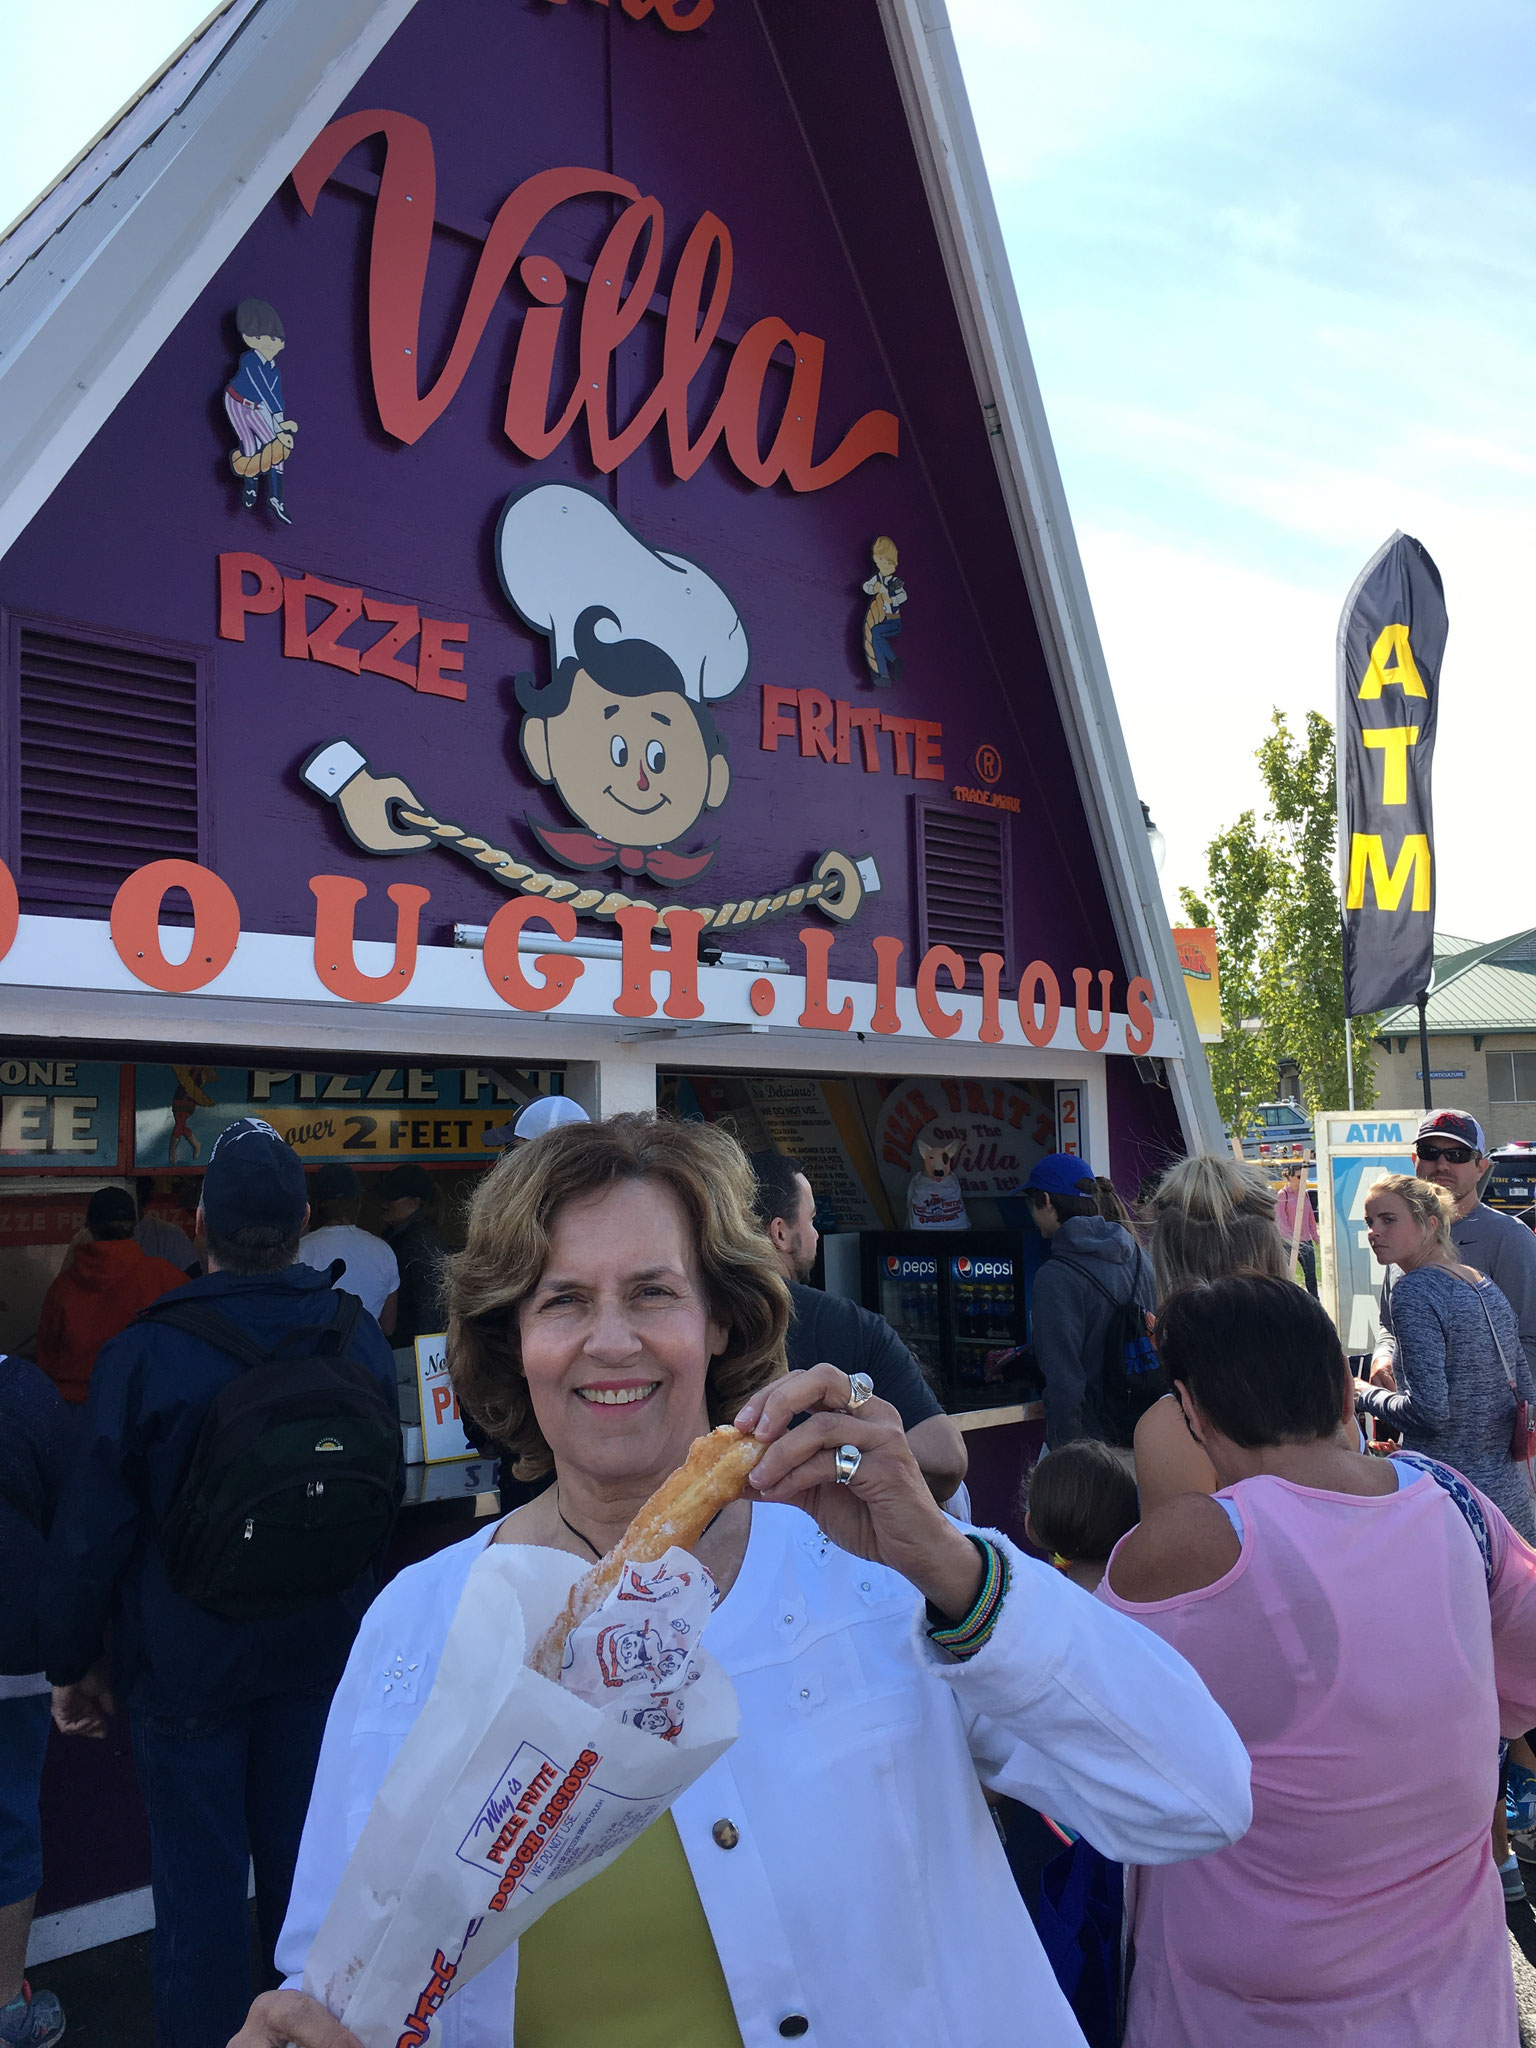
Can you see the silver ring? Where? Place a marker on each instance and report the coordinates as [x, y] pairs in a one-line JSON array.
[[847, 1462], [860, 1388]]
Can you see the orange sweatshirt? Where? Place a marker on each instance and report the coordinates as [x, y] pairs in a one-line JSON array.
[[98, 1293]]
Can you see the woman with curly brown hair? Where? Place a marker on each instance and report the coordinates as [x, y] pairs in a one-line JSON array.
[[835, 1873]]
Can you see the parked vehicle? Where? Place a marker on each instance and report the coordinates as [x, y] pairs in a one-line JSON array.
[[1278, 1130]]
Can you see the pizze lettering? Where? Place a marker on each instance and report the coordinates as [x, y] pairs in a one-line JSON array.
[[545, 1825], [441, 641]]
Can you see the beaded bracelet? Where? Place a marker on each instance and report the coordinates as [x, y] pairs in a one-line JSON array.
[[964, 1638]]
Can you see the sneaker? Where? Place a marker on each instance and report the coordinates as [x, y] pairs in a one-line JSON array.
[[1524, 1845], [1520, 1800], [1512, 1881], [36, 2019]]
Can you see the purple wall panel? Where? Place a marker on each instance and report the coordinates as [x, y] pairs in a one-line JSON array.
[[830, 233]]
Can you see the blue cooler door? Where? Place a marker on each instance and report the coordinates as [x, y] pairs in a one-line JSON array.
[[908, 1286]]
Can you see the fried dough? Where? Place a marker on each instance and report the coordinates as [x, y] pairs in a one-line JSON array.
[[713, 1474]]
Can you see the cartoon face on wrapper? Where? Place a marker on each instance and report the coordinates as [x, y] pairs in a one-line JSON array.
[[633, 759]]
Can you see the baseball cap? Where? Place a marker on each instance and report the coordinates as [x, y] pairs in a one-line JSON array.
[[254, 1178], [335, 1183], [110, 1205], [548, 1113], [1456, 1125], [406, 1180], [1060, 1173]]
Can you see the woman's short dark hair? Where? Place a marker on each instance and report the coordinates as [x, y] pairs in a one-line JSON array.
[[1081, 1499], [1259, 1356]]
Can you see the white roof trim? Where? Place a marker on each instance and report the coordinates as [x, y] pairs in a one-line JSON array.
[[156, 101], [98, 273], [981, 282]]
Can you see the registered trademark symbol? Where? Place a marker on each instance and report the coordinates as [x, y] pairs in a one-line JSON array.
[[989, 763]]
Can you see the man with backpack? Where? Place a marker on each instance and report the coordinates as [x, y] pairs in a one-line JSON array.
[[236, 1478], [1088, 1312]]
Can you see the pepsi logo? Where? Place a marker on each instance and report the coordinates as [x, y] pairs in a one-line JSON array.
[[892, 1265], [963, 1268]]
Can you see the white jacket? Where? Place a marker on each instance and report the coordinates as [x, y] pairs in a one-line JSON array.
[[868, 1890]]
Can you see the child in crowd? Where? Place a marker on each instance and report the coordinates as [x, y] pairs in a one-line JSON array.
[[1079, 1502]]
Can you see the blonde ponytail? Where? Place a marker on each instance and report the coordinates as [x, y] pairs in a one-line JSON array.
[[1212, 1216]]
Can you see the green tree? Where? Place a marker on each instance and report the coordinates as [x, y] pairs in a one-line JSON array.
[[1273, 901]]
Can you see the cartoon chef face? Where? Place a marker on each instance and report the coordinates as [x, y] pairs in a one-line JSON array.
[[641, 645], [633, 758]]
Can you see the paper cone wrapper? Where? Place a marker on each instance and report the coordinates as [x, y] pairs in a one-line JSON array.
[[507, 1794]]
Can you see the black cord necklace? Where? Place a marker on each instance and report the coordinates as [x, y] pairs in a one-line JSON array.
[[575, 1531], [593, 1547]]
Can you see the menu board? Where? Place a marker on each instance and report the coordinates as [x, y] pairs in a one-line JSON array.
[[818, 1123], [374, 1118]]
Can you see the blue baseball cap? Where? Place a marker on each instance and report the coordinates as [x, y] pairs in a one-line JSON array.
[[253, 1178], [1060, 1173]]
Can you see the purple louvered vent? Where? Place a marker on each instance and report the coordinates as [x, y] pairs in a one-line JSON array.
[[108, 755], [964, 895]]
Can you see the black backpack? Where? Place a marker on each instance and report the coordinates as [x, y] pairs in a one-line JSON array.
[[1131, 1377], [297, 1471]]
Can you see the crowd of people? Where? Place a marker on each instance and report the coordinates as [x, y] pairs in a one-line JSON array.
[[1225, 1748]]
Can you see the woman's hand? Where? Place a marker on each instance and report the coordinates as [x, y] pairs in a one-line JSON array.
[[885, 1512], [1382, 1374], [280, 2017]]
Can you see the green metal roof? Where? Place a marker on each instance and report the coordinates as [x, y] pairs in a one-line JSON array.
[[1477, 988]]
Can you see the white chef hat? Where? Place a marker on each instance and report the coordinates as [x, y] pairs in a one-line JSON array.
[[559, 551]]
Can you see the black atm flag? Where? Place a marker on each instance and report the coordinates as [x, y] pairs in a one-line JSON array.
[[1391, 640]]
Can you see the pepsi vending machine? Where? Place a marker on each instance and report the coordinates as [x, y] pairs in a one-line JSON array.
[[958, 1299]]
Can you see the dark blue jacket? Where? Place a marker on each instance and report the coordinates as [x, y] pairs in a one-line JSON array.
[[150, 1391], [37, 1433]]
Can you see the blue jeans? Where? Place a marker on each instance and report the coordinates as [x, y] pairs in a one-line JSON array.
[[222, 1790], [24, 1727]]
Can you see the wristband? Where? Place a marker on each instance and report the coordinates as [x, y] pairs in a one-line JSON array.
[[965, 1637]]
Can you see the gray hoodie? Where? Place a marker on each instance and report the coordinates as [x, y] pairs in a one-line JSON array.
[[1070, 1316]]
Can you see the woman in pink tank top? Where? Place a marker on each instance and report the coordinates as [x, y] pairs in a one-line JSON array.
[[1369, 1626]]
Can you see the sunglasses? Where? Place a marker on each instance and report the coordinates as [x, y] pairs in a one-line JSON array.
[[1458, 1155]]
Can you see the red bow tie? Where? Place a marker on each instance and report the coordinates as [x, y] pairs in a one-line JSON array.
[[576, 849]]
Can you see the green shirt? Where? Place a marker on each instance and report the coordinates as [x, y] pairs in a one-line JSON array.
[[626, 1961]]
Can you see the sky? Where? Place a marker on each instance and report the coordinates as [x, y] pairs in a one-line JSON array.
[[1276, 267]]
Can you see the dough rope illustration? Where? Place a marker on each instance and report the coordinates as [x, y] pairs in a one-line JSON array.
[[383, 814]]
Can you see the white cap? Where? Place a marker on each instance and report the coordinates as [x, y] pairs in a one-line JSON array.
[[560, 550], [548, 1114]]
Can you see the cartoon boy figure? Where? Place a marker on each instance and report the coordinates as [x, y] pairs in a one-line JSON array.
[[641, 644], [882, 616], [253, 399]]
